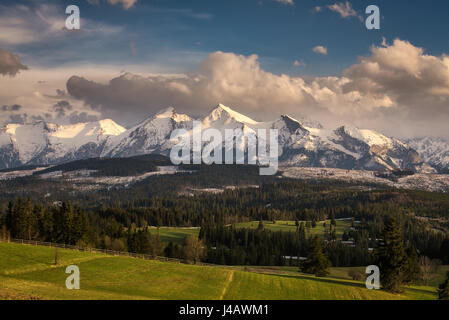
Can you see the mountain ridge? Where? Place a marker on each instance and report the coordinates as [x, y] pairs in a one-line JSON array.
[[302, 142]]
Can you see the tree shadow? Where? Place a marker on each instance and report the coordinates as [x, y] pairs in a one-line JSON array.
[[346, 282], [324, 280]]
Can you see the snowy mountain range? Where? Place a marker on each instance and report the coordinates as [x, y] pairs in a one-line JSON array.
[[434, 151], [301, 142]]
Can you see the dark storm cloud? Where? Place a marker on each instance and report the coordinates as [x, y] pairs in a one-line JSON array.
[[76, 117], [10, 63], [14, 107], [62, 107], [18, 118]]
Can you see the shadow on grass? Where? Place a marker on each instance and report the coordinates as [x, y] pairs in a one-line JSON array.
[[348, 283], [324, 280]]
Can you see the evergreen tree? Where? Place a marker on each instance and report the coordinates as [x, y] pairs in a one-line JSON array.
[[443, 291], [391, 258], [317, 262], [156, 246], [412, 268]]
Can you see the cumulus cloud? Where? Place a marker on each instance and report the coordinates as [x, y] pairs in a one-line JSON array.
[[234, 80], [415, 83], [344, 9], [398, 89], [10, 63], [320, 50], [228, 78]]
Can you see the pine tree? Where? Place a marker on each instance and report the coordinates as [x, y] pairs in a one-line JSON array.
[[443, 291], [317, 262], [391, 258], [412, 268]]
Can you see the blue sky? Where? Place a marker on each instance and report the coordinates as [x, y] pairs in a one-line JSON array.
[[311, 58], [179, 33]]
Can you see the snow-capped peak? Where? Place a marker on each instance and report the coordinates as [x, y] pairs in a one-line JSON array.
[[171, 113], [301, 142], [224, 113], [110, 127], [370, 137]]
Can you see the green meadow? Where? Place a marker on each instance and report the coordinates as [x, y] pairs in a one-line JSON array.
[[175, 235], [290, 226], [28, 272]]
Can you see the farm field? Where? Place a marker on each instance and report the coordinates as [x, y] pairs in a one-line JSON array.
[[28, 272]]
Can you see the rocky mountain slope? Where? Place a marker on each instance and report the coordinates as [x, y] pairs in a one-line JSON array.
[[301, 143]]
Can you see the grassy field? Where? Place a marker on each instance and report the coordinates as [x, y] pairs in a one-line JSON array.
[[342, 225], [28, 272], [175, 235]]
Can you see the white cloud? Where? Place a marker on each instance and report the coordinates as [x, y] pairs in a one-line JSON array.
[[403, 72], [21, 24], [344, 9], [234, 80], [126, 3], [288, 2], [320, 49], [398, 89], [297, 63]]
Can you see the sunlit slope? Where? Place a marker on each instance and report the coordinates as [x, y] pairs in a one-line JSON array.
[[28, 272]]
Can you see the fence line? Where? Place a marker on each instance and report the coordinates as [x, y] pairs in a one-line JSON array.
[[105, 251]]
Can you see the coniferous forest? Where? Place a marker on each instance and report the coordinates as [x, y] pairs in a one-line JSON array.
[[118, 219]]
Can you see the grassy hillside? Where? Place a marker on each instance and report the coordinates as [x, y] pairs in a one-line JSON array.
[[28, 272]]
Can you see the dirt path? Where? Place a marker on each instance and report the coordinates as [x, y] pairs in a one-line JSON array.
[[227, 284]]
